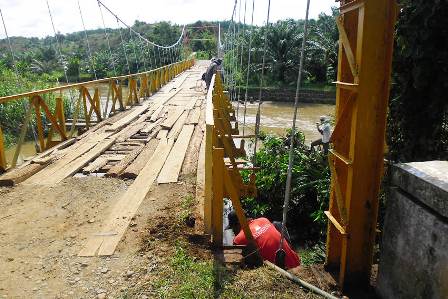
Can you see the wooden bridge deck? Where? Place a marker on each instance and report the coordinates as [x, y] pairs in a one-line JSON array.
[[148, 143]]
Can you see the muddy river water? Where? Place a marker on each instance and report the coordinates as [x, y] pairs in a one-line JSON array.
[[276, 117]]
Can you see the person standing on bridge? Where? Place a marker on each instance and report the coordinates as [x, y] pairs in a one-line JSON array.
[[215, 66], [324, 129]]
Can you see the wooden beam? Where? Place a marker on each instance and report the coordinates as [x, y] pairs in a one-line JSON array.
[[193, 116], [116, 170], [173, 115], [127, 205], [175, 130], [171, 169], [18, 175], [132, 171], [75, 165]]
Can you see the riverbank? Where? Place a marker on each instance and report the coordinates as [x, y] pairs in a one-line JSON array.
[[306, 95]]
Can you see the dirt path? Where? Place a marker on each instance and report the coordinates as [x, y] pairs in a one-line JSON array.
[[44, 227]]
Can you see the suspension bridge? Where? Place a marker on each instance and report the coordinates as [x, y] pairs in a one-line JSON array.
[[157, 126]]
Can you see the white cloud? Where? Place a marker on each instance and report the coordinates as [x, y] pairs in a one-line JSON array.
[[31, 18]]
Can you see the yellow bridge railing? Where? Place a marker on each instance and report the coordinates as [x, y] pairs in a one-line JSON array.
[[223, 177], [140, 86]]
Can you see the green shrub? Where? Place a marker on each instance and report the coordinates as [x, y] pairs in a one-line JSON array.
[[309, 188]]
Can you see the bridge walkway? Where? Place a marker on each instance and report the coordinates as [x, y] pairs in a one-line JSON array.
[[96, 196]]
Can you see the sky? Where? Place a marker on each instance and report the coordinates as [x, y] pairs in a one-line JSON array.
[[31, 17]]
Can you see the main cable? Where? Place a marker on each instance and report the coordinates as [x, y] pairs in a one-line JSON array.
[[138, 34]]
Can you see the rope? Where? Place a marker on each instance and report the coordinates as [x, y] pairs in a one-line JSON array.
[[257, 118], [124, 48], [293, 130], [107, 39], [24, 104], [248, 64], [87, 41]]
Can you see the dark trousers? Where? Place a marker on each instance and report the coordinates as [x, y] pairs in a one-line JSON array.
[[325, 145]]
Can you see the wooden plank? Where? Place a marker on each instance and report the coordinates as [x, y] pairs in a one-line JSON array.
[[128, 118], [72, 153], [72, 167], [150, 126], [193, 117], [156, 113], [162, 134], [116, 170], [191, 103], [19, 175], [171, 169], [95, 165], [175, 130], [132, 171], [173, 115], [105, 242], [199, 102], [130, 130]]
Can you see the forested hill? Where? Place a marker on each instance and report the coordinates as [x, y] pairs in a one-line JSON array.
[[39, 55]]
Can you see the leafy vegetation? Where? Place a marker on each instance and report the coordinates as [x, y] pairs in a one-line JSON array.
[[309, 187], [418, 117], [284, 39]]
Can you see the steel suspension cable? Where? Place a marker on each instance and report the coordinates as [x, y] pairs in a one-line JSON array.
[[248, 65], [257, 118], [108, 41], [58, 46], [237, 45], [241, 62], [132, 42], [293, 130], [26, 105], [235, 57], [138, 34], [92, 64], [58, 49], [124, 47]]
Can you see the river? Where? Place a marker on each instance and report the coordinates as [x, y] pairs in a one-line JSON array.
[[276, 117]]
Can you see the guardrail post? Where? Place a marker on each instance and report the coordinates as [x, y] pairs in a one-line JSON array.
[[2, 153]]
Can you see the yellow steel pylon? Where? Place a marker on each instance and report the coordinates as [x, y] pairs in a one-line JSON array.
[[356, 160]]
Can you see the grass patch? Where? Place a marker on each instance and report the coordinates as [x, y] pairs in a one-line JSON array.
[[189, 277], [313, 255], [187, 204]]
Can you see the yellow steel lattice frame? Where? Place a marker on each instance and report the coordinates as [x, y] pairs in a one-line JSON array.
[[356, 160], [140, 86], [223, 180]]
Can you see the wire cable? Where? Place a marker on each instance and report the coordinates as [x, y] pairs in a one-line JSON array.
[[248, 65], [124, 48], [92, 64], [257, 118], [108, 41], [293, 130]]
